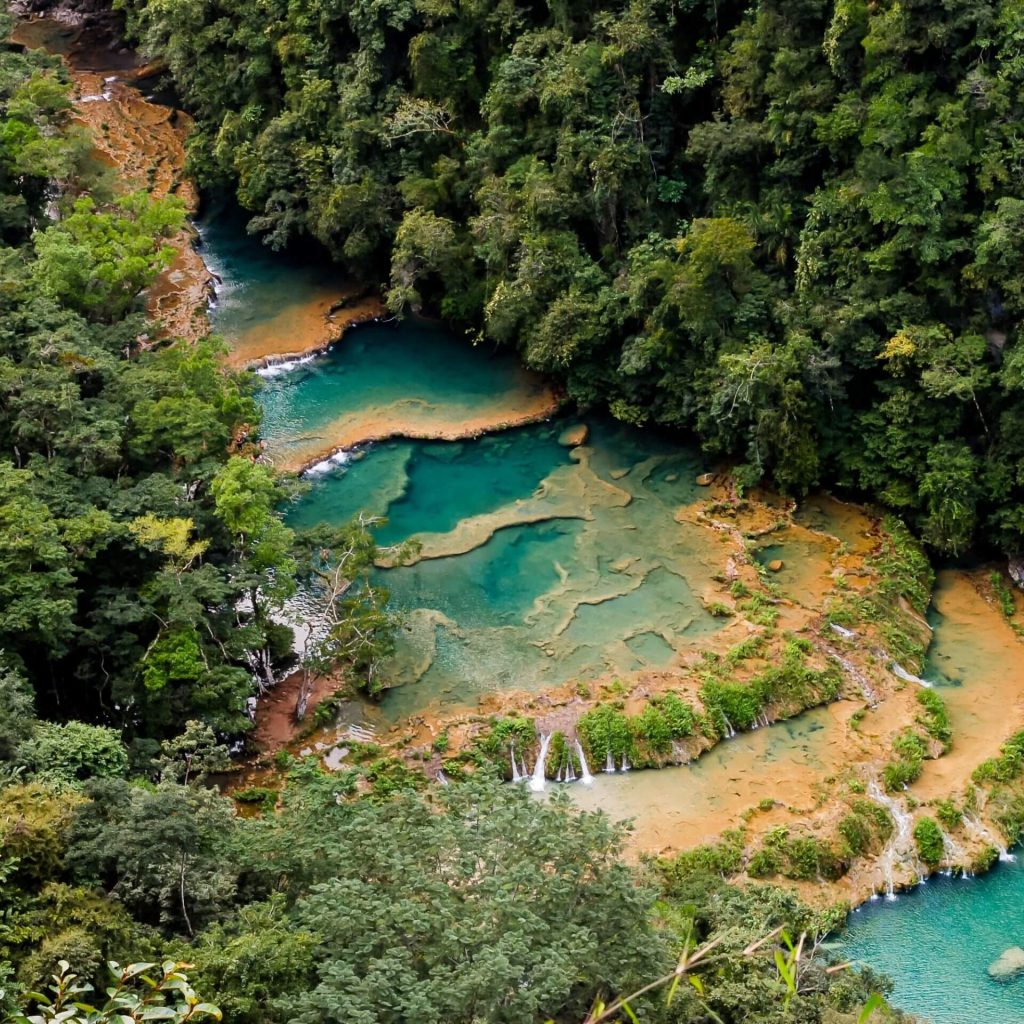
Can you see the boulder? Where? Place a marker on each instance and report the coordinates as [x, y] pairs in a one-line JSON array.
[[705, 479], [776, 564], [1016, 570], [573, 437], [1007, 965]]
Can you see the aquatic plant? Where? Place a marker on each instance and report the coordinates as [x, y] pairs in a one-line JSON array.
[[865, 828], [680, 716], [903, 567], [1004, 595], [605, 731]]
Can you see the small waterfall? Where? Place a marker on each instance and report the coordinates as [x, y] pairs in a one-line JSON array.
[[846, 634], [524, 772], [900, 848], [558, 775], [585, 777], [442, 778], [975, 827], [953, 852], [609, 764], [729, 730], [570, 771], [537, 776], [517, 776], [908, 677], [625, 764]]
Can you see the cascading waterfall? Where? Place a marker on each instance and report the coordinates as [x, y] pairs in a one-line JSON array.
[[609, 763], [625, 764], [988, 836], [900, 847], [537, 776], [585, 777], [846, 634], [442, 778], [729, 730], [908, 677], [953, 852], [516, 774]]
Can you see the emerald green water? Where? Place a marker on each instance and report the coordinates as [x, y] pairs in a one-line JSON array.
[[540, 563], [256, 284], [543, 564], [429, 486], [937, 941], [377, 376]]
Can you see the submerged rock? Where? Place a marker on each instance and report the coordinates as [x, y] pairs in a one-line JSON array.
[[776, 564], [573, 437], [1007, 965], [705, 479]]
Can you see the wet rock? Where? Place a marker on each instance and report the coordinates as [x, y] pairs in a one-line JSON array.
[[776, 564], [671, 478], [617, 474], [573, 437], [705, 479], [1016, 570], [1007, 965]]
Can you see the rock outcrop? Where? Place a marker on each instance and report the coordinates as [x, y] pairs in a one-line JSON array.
[[1007, 965]]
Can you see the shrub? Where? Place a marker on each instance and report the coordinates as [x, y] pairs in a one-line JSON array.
[[948, 813], [928, 837], [910, 751], [1007, 766], [722, 858], [74, 752], [935, 719], [681, 718], [604, 729], [764, 863]]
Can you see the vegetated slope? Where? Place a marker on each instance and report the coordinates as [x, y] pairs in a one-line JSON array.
[[793, 227], [142, 558]]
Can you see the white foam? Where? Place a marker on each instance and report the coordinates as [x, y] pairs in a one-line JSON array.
[[328, 465], [285, 366]]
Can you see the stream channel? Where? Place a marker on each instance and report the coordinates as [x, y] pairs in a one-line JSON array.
[[542, 563]]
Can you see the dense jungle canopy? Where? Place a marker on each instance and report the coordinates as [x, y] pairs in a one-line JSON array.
[[793, 227]]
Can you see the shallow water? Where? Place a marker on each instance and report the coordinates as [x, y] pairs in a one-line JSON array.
[[409, 378], [542, 564], [265, 303], [429, 486], [937, 941], [977, 665], [539, 565], [671, 808]]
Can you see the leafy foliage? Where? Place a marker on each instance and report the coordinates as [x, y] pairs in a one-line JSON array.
[[791, 229]]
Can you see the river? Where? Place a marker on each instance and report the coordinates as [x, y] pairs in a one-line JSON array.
[[546, 561]]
